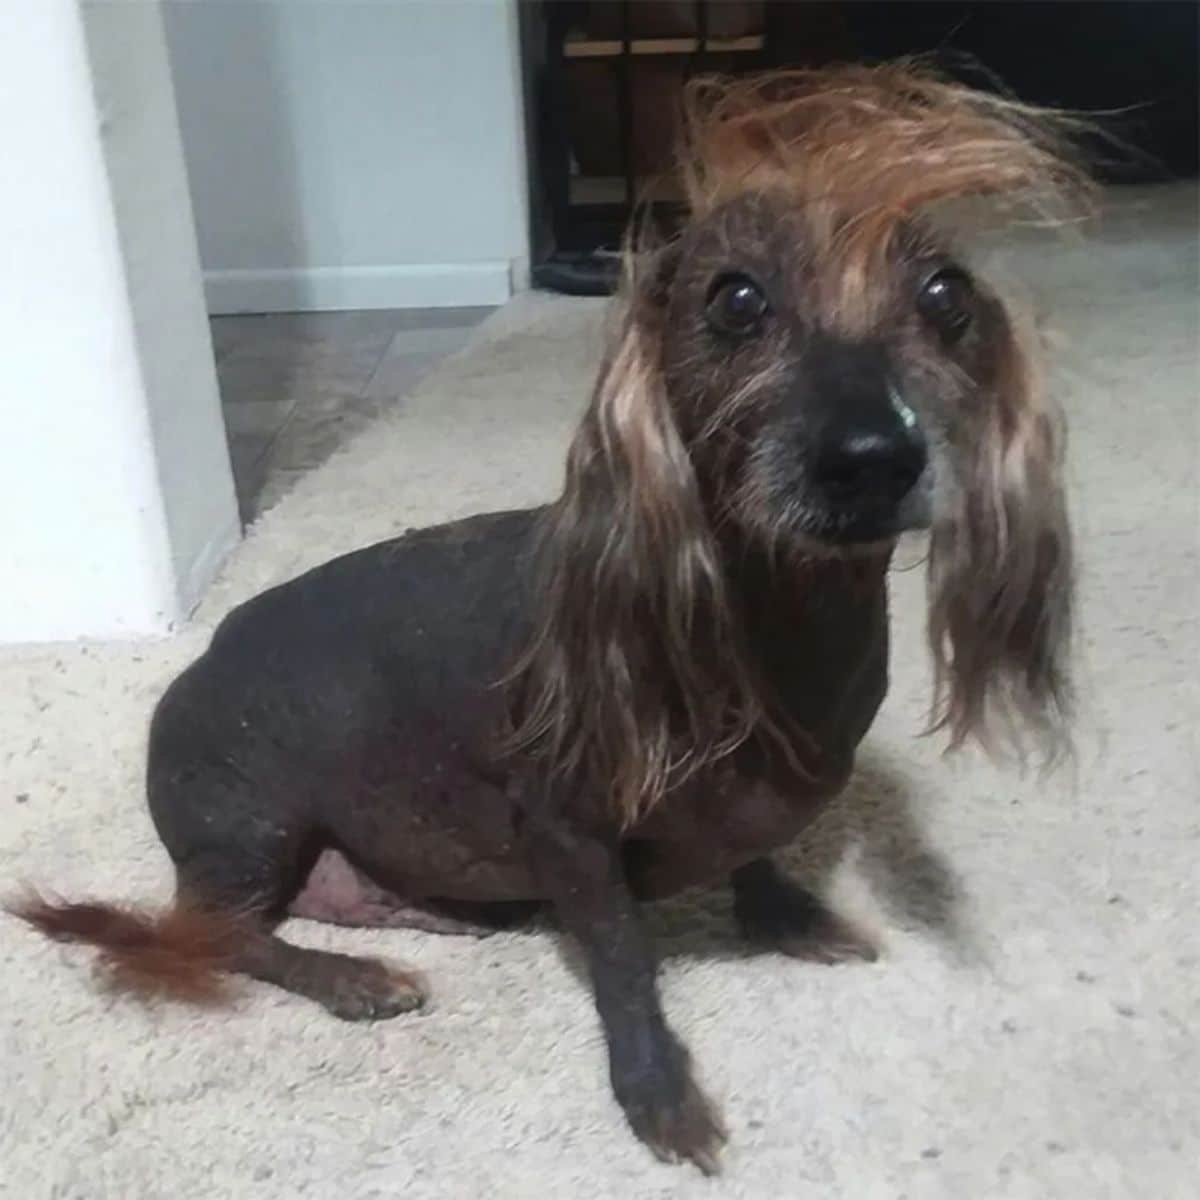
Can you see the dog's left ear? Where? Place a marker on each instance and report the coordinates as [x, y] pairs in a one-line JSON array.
[[1000, 573]]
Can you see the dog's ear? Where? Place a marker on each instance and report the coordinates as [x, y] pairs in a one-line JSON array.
[[1001, 572], [634, 655]]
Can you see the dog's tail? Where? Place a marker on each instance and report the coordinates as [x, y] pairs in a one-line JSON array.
[[181, 953]]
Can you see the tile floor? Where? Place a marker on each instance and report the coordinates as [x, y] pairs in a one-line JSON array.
[[295, 386]]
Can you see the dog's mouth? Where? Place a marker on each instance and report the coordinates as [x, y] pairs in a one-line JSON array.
[[868, 522], [856, 535], [810, 546], [873, 523]]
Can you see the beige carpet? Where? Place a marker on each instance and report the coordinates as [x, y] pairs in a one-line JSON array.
[[1032, 1033]]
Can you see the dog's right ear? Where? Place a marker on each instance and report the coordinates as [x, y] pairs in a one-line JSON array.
[[636, 625], [648, 269], [660, 273]]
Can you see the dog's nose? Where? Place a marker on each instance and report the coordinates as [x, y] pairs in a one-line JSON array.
[[870, 465]]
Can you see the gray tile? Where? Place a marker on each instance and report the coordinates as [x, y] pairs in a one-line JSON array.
[[339, 325], [227, 332], [248, 448], [441, 318], [258, 418], [430, 341], [248, 459], [308, 353], [310, 438], [399, 373], [335, 405], [286, 372], [296, 386], [276, 485]]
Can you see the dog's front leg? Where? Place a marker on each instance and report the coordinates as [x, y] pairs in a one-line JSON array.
[[582, 875]]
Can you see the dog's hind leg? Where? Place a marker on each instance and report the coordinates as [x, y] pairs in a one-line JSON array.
[[254, 887], [353, 988], [780, 915], [228, 900], [239, 858]]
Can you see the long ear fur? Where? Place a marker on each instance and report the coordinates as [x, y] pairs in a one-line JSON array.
[[1000, 576], [635, 678]]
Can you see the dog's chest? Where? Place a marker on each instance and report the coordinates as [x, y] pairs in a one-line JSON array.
[[703, 832], [828, 668]]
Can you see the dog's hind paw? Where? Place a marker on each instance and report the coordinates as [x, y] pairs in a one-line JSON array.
[[369, 990]]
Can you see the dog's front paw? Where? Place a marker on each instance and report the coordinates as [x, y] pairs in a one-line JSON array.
[[833, 940], [674, 1118]]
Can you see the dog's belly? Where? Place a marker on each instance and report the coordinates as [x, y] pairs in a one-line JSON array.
[[337, 892]]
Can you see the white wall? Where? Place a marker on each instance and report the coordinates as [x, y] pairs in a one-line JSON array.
[[148, 182], [91, 546], [352, 153]]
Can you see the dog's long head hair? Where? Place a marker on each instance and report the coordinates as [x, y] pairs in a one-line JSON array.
[[806, 368]]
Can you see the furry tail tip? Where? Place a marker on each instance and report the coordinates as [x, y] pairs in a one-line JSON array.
[[179, 954]]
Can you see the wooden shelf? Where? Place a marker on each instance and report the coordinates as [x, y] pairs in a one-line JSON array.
[[581, 47]]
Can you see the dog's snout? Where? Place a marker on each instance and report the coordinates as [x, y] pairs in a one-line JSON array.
[[881, 465]]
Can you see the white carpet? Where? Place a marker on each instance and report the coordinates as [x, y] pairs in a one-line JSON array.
[[1030, 1034]]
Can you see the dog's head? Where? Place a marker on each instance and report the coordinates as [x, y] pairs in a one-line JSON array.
[[828, 358], [815, 420], [810, 367]]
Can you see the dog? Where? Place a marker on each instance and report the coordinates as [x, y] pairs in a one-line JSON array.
[[660, 678]]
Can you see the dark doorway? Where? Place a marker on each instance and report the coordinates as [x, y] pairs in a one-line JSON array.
[[604, 77]]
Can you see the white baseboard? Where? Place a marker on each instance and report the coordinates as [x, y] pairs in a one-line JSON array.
[[319, 289], [520, 274]]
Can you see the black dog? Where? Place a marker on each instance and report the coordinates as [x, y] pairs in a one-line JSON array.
[[658, 679]]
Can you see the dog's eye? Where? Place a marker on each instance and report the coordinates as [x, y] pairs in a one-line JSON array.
[[735, 305], [945, 302]]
